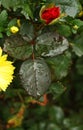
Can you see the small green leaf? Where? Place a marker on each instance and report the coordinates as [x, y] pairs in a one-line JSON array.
[[26, 11], [64, 30], [77, 22], [6, 3], [77, 44], [12, 22], [3, 18], [8, 33], [27, 31], [56, 89]]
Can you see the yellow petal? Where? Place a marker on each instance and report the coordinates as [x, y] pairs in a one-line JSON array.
[[0, 51], [6, 72], [14, 29]]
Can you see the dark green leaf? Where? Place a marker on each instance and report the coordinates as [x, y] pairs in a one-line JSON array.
[[3, 17], [77, 22], [27, 31], [78, 44], [56, 89], [56, 114], [35, 76], [12, 22], [76, 128], [12, 3], [75, 121], [60, 65], [26, 11], [79, 66], [6, 3], [51, 44], [64, 30], [16, 47]]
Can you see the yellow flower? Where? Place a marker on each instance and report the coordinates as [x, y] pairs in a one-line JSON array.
[[14, 29], [18, 23], [6, 71], [75, 27], [80, 14]]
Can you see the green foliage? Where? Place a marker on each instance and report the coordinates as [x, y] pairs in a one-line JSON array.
[[56, 89], [3, 21], [27, 31], [49, 66], [3, 17], [78, 44], [26, 11], [60, 65], [64, 30], [79, 66]]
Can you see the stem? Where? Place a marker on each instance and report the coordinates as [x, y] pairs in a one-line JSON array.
[[20, 97]]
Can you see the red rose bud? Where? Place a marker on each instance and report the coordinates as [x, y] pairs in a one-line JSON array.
[[50, 14]]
